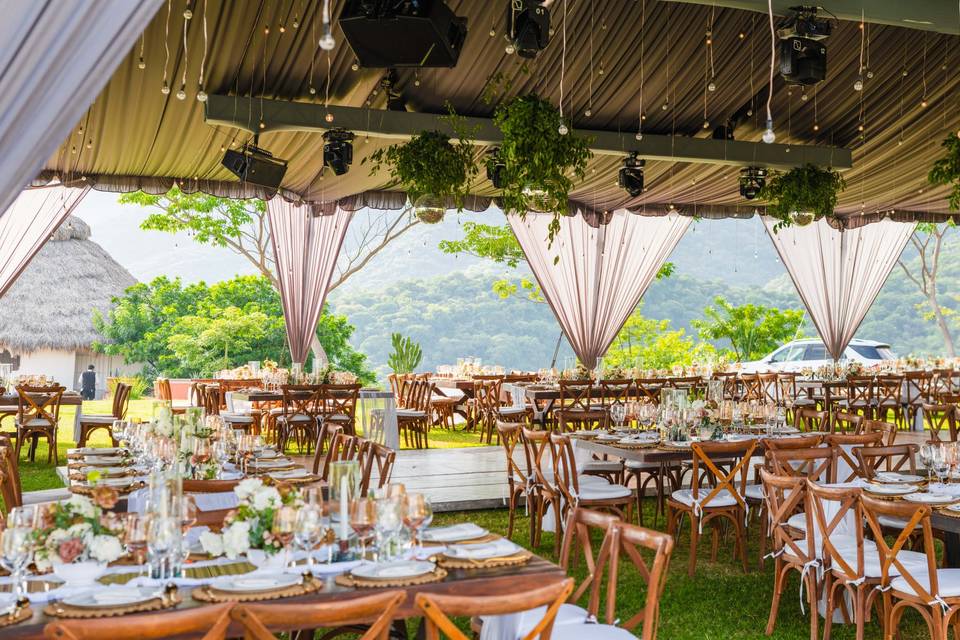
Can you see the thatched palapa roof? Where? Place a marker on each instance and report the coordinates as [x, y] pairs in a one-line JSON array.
[[51, 304]]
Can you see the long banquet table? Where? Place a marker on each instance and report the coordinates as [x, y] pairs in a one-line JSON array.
[[462, 582]]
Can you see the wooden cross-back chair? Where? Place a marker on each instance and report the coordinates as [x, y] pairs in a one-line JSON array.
[[846, 422], [376, 612], [38, 414], [207, 623], [889, 399], [818, 464], [903, 583], [917, 390], [343, 447], [861, 396], [770, 388], [10, 488], [91, 422], [731, 384], [414, 418], [901, 458], [809, 419], [298, 417], [887, 429], [845, 445], [375, 457], [518, 478], [940, 420], [648, 390], [486, 401], [437, 608], [575, 408], [161, 388], [789, 394], [616, 391], [325, 437], [541, 491], [752, 388], [723, 500], [338, 404], [792, 551]]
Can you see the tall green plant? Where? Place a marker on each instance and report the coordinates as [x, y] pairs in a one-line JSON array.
[[406, 354]]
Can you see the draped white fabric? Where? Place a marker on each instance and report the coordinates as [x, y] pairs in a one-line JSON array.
[[55, 57], [602, 271], [306, 247], [27, 224], [838, 274]]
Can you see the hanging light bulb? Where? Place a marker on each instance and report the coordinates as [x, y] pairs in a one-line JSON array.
[[562, 129], [858, 84], [804, 97], [328, 117], [202, 96], [493, 33], [588, 113], [141, 64], [355, 66], [510, 49], [665, 105], [639, 136], [769, 136], [181, 94], [706, 124], [187, 14], [327, 41], [165, 89], [869, 74], [712, 86], [313, 91]]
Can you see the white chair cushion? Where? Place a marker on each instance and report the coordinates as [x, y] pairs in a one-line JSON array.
[[948, 579], [591, 632], [754, 491], [798, 521], [518, 625], [97, 419], [294, 418], [893, 523], [581, 479], [36, 422], [604, 492], [642, 466], [915, 562], [722, 499], [236, 417], [604, 466], [410, 413], [511, 411]]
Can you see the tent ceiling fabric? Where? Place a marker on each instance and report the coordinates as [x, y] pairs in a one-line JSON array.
[[602, 272], [54, 60], [27, 224], [141, 138], [306, 247], [838, 274]]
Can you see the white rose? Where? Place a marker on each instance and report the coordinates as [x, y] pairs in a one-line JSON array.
[[236, 539], [83, 531], [246, 488], [212, 543], [82, 505], [266, 498], [106, 548]]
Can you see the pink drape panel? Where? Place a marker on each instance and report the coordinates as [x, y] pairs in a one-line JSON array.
[[27, 224], [55, 57], [602, 272], [306, 247], [838, 274]]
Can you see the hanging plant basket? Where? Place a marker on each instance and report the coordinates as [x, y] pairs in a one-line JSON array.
[[802, 195], [430, 166], [536, 163], [946, 170]]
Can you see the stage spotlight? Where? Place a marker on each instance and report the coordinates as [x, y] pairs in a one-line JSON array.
[[256, 166], [528, 27], [338, 150], [803, 55], [630, 177], [752, 180]]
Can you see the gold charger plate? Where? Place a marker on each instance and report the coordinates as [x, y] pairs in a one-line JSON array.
[[209, 593]]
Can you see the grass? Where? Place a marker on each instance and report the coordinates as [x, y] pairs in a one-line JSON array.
[[719, 603]]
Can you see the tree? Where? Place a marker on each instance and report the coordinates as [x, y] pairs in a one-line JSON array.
[[242, 227], [184, 331], [927, 240], [752, 330], [651, 344]]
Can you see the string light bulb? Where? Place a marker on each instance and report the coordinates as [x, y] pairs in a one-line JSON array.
[[327, 42], [858, 84], [165, 89], [923, 103], [769, 136], [181, 94], [141, 64], [187, 14], [201, 96], [588, 113], [328, 117], [355, 66], [510, 49], [712, 86], [562, 129]]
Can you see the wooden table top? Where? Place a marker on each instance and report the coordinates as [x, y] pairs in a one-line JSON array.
[[71, 398], [462, 582]]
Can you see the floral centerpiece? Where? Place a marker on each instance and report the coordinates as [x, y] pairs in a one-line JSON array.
[[250, 525], [79, 531]]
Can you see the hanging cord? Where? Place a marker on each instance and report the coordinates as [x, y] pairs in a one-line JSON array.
[[201, 94], [563, 67], [165, 89], [643, 33], [768, 135]]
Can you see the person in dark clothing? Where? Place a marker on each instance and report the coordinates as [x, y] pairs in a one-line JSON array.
[[88, 383]]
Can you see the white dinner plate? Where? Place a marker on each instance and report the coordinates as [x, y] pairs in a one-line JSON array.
[[258, 582], [455, 533], [607, 438], [893, 477], [95, 451], [497, 549], [114, 471], [266, 454], [393, 570], [272, 464], [931, 498], [890, 489], [292, 473], [124, 481], [675, 443], [102, 461], [112, 597]]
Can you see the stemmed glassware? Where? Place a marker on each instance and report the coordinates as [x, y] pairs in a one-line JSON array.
[[417, 515], [163, 543], [927, 451], [16, 545], [363, 515], [389, 521], [284, 525], [309, 529], [136, 527], [941, 463], [618, 411]]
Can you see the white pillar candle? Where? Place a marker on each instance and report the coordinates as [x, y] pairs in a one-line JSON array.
[[344, 507]]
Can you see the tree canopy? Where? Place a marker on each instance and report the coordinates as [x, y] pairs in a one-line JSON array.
[[752, 330]]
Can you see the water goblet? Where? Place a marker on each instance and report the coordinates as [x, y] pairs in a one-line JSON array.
[[284, 524], [618, 412], [926, 458], [16, 550], [417, 515], [363, 516], [135, 536], [309, 530], [388, 523]]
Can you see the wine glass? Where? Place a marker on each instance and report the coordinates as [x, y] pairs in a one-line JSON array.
[[16, 550], [363, 516], [389, 521], [284, 524], [163, 542], [618, 412], [308, 530], [417, 515], [941, 463], [185, 510], [926, 458], [135, 536]]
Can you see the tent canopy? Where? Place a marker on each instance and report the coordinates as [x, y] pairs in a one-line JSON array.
[[134, 136]]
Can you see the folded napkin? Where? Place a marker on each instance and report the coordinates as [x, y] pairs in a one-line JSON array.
[[496, 549], [890, 476], [463, 531], [944, 489]]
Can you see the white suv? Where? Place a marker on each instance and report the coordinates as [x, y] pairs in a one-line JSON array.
[[811, 354]]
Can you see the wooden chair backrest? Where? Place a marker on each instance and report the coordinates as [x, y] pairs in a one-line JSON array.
[[486, 393], [938, 416], [260, 621], [752, 388], [39, 403], [845, 519], [648, 390], [803, 442], [784, 496], [847, 422], [379, 457], [328, 431], [889, 390], [575, 394], [770, 388], [162, 388], [819, 463], [901, 457], [539, 451], [436, 608], [809, 419], [918, 386], [577, 532], [121, 400], [731, 384], [301, 400], [787, 386], [343, 447], [511, 435], [845, 445], [616, 391], [916, 516], [208, 397], [861, 389], [208, 623], [708, 459], [10, 467], [633, 540], [339, 399], [887, 429], [565, 473]]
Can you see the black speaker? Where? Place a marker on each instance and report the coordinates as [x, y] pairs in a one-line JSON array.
[[803, 60], [255, 166], [416, 33]]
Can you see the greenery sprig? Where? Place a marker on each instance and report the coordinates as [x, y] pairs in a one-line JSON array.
[[946, 170], [539, 163], [808, 189]]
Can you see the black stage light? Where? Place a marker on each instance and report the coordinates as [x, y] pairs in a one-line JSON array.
[[724, 131], [256, 166], [495, 168], [528, 27], [338, 150], [403, 33], [803, 55], [630, 177], [752, 180]]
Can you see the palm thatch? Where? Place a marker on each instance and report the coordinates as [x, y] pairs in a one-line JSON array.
[[51, 304]]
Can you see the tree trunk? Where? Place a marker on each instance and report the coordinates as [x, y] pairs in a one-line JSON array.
[[320, 359], [942, 324]]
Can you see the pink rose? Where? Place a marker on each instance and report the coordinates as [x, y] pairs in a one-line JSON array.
[[70, 550]]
